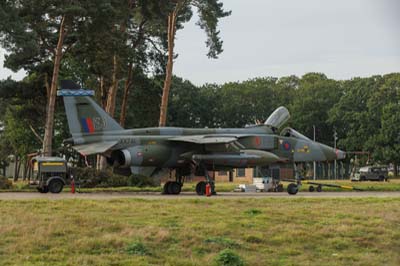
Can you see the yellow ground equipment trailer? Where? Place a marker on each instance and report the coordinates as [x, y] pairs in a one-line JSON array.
[[49, 174]]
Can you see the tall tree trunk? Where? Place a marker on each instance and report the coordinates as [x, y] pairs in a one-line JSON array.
[[124, 105], [19, 167], [101, 95], [48, 135], [168, 72], [16, 168], [110, 107], [29, 172], [103, 102], [112, 94], [25, 170]]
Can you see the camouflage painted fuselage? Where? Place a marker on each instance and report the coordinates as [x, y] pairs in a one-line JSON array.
[[254, 146], [95, 132]]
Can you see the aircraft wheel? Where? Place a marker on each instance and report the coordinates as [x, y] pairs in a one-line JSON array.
[[56, 186], [213, 192], [279, 188], [166, 187], [311, 188], [292, 189], [201, 188], [319, 188], [174, 188]]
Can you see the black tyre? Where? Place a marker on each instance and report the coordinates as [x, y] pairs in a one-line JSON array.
[[56, 186], [311, 188], [279, 188], [174, 188], [381, 178], [363, 178], [292, 189], [319, 188], [166, 187], [201, 188], [43, 189], [213, 192]]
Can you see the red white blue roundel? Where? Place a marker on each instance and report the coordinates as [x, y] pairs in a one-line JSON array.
[[286, 145]]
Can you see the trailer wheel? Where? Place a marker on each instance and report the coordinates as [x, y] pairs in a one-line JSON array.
[[292, 189], [43, 189], [311, 188], [319, 188], [279, 188], [55, 186]]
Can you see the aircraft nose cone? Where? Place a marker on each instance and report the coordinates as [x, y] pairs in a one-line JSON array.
[[329, 152], [340, 155]]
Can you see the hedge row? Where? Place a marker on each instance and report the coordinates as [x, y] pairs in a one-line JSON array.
[[91, 178]]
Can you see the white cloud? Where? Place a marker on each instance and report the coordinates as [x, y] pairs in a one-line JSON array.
[[342, 38], [5, 73]]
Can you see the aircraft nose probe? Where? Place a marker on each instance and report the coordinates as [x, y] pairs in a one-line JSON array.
[[340, 154]]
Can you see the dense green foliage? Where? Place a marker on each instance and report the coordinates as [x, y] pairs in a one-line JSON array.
[[5, 183], [363, 111], [92, 178], [228, 257]]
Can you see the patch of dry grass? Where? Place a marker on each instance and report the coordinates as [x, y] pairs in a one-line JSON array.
[[266, 231], [392, 185]]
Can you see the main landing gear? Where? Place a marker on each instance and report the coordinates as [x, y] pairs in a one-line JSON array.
[[201, 187], [174, 187]]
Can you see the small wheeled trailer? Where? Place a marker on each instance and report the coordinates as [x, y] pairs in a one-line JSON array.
[[49, 174], [313, 186], [318, 186]]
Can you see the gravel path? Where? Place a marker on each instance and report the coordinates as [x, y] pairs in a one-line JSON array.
[[190, 195]]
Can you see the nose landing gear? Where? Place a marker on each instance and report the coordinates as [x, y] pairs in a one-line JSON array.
[[292, 189]]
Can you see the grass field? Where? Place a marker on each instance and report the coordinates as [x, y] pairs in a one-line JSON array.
[[392, 185], [270, 231]]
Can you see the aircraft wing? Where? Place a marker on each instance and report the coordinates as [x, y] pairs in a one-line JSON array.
[[94, 148], [204, 139]]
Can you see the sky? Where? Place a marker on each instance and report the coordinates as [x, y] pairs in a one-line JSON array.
[[341, 38]]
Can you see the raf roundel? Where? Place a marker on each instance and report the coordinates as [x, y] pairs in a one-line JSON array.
[[286, 146]]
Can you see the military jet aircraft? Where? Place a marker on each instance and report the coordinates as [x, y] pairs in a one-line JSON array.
[[147, 151]]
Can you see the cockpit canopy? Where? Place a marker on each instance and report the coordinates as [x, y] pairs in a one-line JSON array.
[[278, 118], [290, 132]]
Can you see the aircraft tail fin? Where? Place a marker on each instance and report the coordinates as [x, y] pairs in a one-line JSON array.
[[84, 115]]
